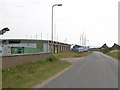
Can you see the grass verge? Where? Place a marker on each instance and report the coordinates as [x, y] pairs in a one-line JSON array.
[[70, 54], [114, 54], [0, 78], [28, 75]]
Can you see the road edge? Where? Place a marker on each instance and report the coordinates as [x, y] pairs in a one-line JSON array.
[[51, 78]]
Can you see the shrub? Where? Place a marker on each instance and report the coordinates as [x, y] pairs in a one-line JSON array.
[[52, 58], [105, 50]]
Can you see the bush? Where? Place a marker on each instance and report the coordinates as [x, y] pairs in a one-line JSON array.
[[52, 58], [104, 50]]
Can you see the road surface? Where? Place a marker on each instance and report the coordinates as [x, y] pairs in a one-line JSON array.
[[94, 71]]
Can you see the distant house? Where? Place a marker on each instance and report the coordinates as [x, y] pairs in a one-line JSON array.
[[78, 48], [115, 47], [105, 46]]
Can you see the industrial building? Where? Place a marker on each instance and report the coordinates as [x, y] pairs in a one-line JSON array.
[[22, 46]]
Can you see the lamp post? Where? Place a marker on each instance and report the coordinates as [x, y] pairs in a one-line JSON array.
[[52, 27], [4, 30]]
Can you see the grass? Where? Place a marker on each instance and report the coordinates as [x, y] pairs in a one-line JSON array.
[[70, 54], [28, 75], [114, 54], [0, 78]]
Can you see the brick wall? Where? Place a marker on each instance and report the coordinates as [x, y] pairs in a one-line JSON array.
[[14, 60]]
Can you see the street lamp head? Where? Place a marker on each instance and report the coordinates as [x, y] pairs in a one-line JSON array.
[[4, 30], [59, 5]]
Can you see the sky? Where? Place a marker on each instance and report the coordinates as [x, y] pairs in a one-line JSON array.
[[31, 19]]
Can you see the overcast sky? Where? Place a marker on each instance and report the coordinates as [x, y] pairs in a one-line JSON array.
[[98, 19]]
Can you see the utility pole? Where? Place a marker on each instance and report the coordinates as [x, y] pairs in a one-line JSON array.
[[57, 38], [41, 36], [54, 32], [83, 39], [26, 36], [80, 39], [30, 36], [48, 44], [36, 36], [66, 39]]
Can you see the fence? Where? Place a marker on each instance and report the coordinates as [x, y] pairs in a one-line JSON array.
[[14, 60]]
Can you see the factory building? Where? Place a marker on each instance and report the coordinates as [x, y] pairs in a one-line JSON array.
[[22, 46]]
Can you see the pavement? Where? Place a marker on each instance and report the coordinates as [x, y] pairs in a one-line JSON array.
[[94, 71]]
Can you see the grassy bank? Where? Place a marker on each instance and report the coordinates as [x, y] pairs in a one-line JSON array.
[[70, 54], [31, 74], [114, 54], [0, 78]]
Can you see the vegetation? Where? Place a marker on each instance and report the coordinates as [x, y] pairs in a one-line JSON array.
[[114, 54], [0, 78], [28, 75], [70, 54], [113, 51], [104, 50], [52, 58]]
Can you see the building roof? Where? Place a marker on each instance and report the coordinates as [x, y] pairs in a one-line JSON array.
[[55, 42]]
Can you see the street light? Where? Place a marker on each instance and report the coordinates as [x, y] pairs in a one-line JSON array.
[[52, 26], [4, 30]]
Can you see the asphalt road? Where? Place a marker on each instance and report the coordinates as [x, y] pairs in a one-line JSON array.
[[94, 71]]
